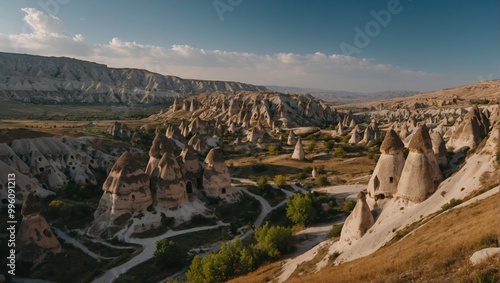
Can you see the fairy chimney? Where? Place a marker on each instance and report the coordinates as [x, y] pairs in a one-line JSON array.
[[386, 175], [358, 222], [126, 190], [291, 139], [192, 169], [439, 148], [298, 152], [169, 188], [471, 131], [421, 174], [35, 239], [216, 178]]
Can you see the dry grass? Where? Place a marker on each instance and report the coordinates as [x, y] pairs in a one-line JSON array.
[[337, 168], [437, 252]]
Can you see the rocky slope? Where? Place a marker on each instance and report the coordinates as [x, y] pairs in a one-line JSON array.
[[32, 78], [246, 109], [340, 96], [482, 92]]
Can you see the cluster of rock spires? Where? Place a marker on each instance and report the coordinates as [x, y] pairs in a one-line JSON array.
[[417, 177], [243, 110], [167, 182], [43, 165]]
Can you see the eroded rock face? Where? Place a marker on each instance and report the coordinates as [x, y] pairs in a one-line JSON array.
[[358, 222], [421, 174], [55, 161], [24, 184], [35, 239], [193, 170], [439, 148], [386, 175], [33, 77], [291, 139], [471, 131], [119, 130], [273, 110], [216, 178], [126, 191], [170, 188]]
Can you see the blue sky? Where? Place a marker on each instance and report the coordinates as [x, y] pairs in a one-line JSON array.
[[425, 45]]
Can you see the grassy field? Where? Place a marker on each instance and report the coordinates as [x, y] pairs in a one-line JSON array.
[[437, 252], [20, 110]]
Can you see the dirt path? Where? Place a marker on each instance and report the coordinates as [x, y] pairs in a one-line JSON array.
[[69, 240], [149, 247]]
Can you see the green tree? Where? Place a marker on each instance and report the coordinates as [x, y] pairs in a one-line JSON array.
[[262, 181], [279, 180], [233, 259], [274, 240], [169, 253], [300, 210]]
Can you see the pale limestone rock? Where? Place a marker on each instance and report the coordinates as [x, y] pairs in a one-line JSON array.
[[421, 174], [216, 178], [170, 186], [386, 175], [439, 148], [298, 152], [358, 222], [292, 140]]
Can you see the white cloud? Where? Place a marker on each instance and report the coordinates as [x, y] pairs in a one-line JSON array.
[[328, 71], [41, 22]]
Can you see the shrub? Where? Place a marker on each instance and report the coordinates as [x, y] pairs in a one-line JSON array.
[[311, 146], [453, 202], [274, 240], [169, 253], [262, 181], [323, 181], [489, 240], [348, 206], [339, 152], [329, 145], [301, 176], [273, 150], [279, 180], [335, 231]]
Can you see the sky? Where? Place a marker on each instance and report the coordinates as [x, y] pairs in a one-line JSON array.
[[350, 45]]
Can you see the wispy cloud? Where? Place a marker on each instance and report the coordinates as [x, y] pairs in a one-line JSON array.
[[48, 36]]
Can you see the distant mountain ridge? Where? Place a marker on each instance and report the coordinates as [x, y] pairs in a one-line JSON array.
[[32, 78], [340, 96]]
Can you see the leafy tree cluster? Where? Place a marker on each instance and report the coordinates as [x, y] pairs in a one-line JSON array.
[[233, 259], [275, 240], [170, 254], [300, 210]]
